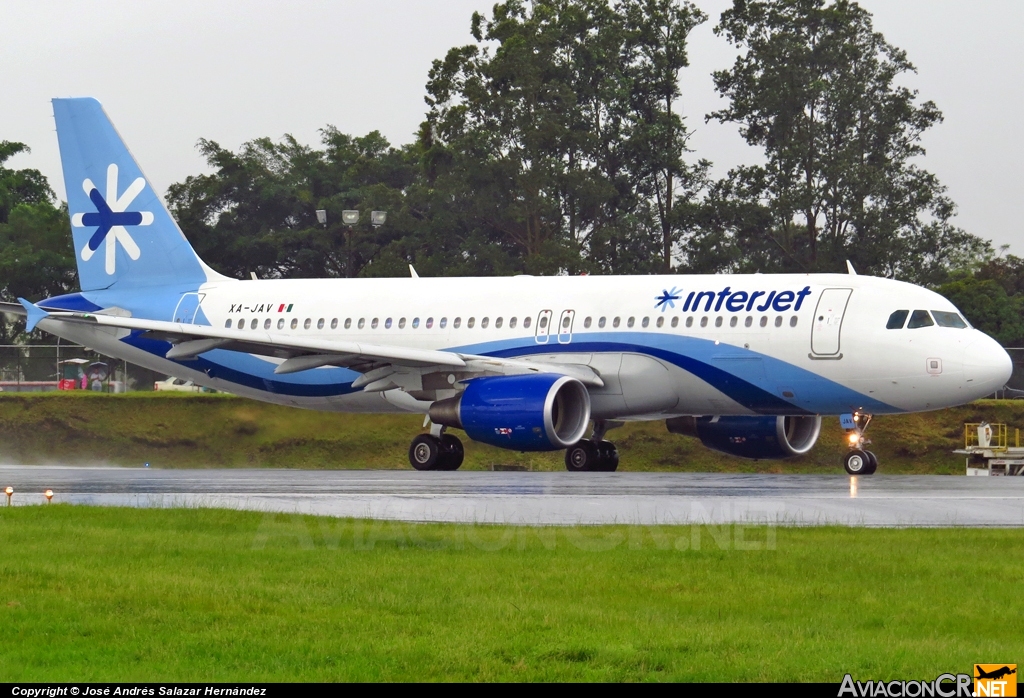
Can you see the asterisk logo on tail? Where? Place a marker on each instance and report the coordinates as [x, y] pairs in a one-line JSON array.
[[111, 219]]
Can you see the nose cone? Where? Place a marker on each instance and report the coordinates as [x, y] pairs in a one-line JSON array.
[[987, 366]]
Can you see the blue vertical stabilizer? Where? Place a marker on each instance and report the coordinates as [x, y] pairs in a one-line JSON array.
[[124, 237]]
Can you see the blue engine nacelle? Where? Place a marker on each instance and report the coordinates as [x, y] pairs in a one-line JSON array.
[[762, 438], [530, 412]]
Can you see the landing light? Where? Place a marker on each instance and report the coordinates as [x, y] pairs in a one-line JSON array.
[[854, 438]]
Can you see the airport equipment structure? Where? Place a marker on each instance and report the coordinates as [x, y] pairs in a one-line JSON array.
[[988, 451]]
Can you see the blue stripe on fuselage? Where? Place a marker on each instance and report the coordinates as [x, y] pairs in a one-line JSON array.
[[753, 380]]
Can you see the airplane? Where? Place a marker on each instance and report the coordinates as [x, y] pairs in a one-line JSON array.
[[996, 674], [748, 364]]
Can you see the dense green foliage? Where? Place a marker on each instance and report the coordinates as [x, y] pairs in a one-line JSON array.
[[195, 431], [90, 594]]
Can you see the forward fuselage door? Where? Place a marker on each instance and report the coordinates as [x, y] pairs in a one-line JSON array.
[[543, 327], [565, 326], [828, 322], [187, 307]]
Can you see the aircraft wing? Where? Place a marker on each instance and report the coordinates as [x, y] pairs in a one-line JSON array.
[[383, 366]]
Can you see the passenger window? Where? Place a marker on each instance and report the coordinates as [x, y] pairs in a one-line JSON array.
[[295, 323], [415, 322], [645, 322], [543, 322], [373, 323], [733, 320], [764, 321], [897, 319], [748, 322], [630, 322], [919, 319], [430, 322], [526, 321], [254, 323], [947, 319], [401, 324], [704, 321], [387, 324], [689, 321], [497, 323], [470, 322], [601, 322], [362, 322], [320, 324], [675, 321], [792, 321], [334, 323], [718, 321], [512, 323], [778, 321], [280, 324], [266, 324], [661, 321], [615, 322], [457, 323], [565, 322], [227, 324], [586, 323], [306, 324], [348, 323], [444, 323], [483, 323]]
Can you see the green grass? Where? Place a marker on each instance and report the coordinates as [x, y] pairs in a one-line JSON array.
[[168, 430], [91, 594]]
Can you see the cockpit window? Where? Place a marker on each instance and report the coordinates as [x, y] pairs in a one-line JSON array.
[[919, 318], [947, 319], [897, 319]]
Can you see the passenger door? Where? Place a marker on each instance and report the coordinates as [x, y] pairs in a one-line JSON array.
[[828, 323], [186, 310], [543, 327]]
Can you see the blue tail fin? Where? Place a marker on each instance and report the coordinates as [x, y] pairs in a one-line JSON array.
[[124, 236]]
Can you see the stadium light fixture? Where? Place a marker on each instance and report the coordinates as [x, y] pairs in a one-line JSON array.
[[350, 217], [321, 216], [378, 218]]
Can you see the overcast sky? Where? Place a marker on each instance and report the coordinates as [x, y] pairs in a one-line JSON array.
[[169, 73]]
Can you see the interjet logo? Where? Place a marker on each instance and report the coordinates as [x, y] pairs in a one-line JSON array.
[[111, 218]]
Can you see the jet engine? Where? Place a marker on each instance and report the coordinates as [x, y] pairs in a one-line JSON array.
[[531, 412], [762, 438]]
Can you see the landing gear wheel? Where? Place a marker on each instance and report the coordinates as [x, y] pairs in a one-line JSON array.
[[582, 457], [452, 453], [425, 452], [609, 456], [872, 463], [857, 462]]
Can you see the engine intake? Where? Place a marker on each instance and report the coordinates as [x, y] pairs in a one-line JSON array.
[[761, 438], [531, 412]]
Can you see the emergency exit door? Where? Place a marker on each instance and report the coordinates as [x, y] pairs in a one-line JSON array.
[[828, 322]]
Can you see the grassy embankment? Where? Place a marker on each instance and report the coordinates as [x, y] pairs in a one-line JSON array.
[[216, 430], [91, 594]]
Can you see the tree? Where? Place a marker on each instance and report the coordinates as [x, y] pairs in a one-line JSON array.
[[816, 89], [563, 146]]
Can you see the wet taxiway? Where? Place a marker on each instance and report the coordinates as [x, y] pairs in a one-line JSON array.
[[544, 498]]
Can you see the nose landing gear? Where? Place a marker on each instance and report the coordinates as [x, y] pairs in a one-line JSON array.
[[858, 460]]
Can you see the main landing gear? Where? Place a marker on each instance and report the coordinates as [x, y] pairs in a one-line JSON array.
[[430, 452], [594, 454], [858, 460]]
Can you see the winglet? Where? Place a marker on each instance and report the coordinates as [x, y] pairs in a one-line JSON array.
[[35, 314], [849, 268], [412, 272]]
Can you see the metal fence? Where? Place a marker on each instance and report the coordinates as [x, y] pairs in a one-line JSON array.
[[40, 367]]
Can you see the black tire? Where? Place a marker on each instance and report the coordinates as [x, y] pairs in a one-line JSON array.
[[452, 452], [857, 462], [582, 456], [425, 452], [872, 463], [609, 456]]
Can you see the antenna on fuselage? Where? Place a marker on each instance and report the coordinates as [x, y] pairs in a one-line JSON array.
[[412, 272], [850, 269]]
